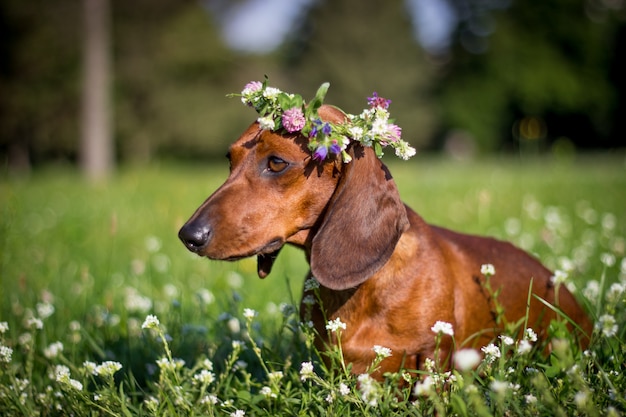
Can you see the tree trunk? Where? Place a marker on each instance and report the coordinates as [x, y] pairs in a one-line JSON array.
[[96, 147]]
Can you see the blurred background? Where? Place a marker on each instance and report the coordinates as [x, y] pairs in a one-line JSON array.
[[96, 83]]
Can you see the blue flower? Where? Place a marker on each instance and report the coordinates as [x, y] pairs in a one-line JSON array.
[[320, 153]]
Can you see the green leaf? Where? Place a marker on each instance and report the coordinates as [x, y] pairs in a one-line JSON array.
[[317, 102]]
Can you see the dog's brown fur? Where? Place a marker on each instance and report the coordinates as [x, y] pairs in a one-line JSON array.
[[383, 271]]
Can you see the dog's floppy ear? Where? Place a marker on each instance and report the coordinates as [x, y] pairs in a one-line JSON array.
[[362, 223]]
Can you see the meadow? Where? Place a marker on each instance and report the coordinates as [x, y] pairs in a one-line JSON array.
[[104, 312]]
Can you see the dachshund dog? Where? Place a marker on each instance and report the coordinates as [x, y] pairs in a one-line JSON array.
[[382, 270]]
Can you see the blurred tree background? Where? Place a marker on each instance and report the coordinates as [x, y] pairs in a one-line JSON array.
[[546, 75]]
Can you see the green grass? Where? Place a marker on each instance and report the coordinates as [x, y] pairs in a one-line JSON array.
[[105, 256]]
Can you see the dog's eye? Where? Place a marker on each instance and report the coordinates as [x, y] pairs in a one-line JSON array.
[[275, 164]]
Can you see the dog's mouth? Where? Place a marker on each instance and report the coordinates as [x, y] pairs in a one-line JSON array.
[[266, 256]]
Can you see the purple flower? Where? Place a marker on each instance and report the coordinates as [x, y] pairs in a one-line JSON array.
[[252, 87], [320, 153], [326, 129], [394, 132], [335, 148], [293, 120], [375, 101]]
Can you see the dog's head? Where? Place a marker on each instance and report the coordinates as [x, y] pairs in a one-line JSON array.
[[347, 216]]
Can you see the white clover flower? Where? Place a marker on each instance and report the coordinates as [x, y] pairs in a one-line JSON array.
[[344, 389], [530, 335], [507, 340], [6, 354], [335, 325], [4, 327], [151, 322], [204, 377], [608, 325], [53, 350], [381, 351], [249, 313], [443, 328], [306, 371], [108, 368], [266, 123], [311, 284], [492, 352], [466, 359], [559, 277], [487, 270]]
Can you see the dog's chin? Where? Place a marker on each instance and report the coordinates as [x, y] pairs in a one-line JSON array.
[[266, 255]]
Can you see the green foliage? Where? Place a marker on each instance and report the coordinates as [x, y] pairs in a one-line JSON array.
[[92, 264]]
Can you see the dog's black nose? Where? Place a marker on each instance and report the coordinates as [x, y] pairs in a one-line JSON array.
[[194, 236]]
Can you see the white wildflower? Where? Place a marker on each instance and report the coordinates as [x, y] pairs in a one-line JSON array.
[[306, 371], [492, 352], [266, 123], [424, 387], [108, 368], [249, 313], [344, 389], [507, 340], [238, 413], [275, 377], [614, 293], [90, 367], [466, 359], [5, 354], [204, 377], [530, 399], [356, 133], [487, 270], [271, 93], [369, 389], [559, 277], [443, 327], [151, 322], [499, 387], [233, 325], [530, 335], [53, 350], [608, 325], [45, 310], [524, 346], [4, 327], [608, 259], [592, 290], [381, 351], [267, 392], [335, 325], [34, 323]]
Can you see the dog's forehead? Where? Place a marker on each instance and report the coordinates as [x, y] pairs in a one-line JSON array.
[[264, 142]]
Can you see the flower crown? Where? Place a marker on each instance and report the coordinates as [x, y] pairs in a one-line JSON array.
[[289, 112]]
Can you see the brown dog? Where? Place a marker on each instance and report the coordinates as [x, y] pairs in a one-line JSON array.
[[383, 271]]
